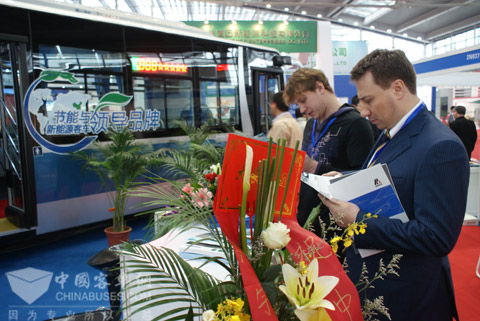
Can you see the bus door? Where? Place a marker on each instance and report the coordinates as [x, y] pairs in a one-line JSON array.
[[266, 82], [14, 177]]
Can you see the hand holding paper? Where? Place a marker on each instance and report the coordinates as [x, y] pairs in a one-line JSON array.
[[370, 190], [343, 212]]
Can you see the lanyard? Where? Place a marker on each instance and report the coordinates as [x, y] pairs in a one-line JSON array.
[[314, 143], [382, 147]]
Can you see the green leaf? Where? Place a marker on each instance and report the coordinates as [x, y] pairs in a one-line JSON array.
[[68, 76], [312, 216], [49, 75], [271, 291], [272, 273], [113, 99]]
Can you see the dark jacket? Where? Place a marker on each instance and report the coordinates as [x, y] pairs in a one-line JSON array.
[[467, 131], [422, 159], [343, 147]]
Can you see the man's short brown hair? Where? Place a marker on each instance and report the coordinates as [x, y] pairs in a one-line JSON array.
[[302, 80], [387, 66]]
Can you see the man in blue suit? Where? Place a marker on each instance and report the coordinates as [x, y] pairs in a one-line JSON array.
[[430, 170]]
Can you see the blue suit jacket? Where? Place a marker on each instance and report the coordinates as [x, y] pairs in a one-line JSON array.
[[430, 170]]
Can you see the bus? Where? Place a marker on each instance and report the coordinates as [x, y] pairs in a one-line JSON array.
[[69, 72]]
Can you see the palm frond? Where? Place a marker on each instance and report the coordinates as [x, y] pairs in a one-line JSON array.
[[172, 280], [208, 152]]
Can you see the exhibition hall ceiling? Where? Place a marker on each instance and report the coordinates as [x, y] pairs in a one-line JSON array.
[[417, 20]]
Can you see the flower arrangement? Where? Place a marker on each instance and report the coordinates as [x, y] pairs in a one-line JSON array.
[[277, 270]]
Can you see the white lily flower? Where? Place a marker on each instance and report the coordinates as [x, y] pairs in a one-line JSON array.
[[217, 169], [248, 169], [307, 291]]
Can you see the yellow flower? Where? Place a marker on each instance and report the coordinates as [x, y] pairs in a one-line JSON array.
[[236, 306], [363, 227], [335, 247], [336, 239], [307, 291], [347, 242], [350, 229], [334, 243]]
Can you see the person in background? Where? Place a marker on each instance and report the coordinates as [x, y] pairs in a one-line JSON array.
[[450, 116], [336, 137], [465, 129], [430, 170], [301, 118], [376, 132], [284, 125]]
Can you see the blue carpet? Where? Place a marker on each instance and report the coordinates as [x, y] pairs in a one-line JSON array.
[[54, 280]]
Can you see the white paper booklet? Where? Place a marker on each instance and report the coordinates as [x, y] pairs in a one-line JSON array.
[[371, 189]]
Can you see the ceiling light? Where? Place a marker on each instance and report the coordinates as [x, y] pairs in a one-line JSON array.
[[269, 6], [389, 30], [355, 23], [372, 27], [286, 9], [319, 15], [340, 20], [405, 34], [304, 12], [419, 38]]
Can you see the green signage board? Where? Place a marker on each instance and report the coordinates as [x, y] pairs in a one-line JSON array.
[[296, 36]]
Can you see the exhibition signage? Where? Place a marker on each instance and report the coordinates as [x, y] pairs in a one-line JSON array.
[[346, 54], [296, 36], [467, 58]]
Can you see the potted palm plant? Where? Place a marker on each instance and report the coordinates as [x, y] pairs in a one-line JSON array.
[[118, 164]]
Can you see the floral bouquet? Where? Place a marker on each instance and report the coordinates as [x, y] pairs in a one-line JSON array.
[[276, 269]]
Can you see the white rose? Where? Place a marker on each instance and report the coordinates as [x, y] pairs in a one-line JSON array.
[[276, 236], [208, 315]]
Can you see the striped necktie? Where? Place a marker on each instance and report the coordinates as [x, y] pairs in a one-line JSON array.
[[383, 142]]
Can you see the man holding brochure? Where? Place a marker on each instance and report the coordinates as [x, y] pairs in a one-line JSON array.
[[430, 171]]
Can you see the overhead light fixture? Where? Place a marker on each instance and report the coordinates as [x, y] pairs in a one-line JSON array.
[[304, 12], [372, 27], [405, 34], [419, 38], [286, 9], [269, 5], [319, 15], [355, 23], [389, 30], [340, 20]]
